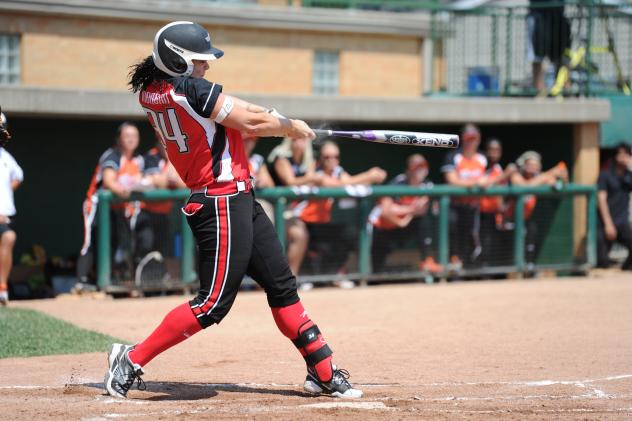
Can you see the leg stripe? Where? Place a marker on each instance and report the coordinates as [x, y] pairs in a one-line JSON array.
[[217, 238], [227, 265], [221, 261]]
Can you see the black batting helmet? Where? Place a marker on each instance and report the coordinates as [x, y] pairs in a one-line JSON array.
[[177, 44]]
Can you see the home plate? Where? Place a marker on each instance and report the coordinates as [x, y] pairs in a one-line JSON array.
[[352, 405]]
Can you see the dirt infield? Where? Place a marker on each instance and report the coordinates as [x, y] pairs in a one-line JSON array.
[[479, 350]]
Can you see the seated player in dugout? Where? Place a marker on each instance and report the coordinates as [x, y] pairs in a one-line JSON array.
[[292, 163], [332, 242], [233, 234], [162, 175], [397, 220], [529, 173], [465, 167], [120, 170]]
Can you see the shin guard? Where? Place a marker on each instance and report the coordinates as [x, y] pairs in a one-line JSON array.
[[294, 323]]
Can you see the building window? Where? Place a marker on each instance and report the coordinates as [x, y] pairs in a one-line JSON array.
[[9, 59], [325, 78]]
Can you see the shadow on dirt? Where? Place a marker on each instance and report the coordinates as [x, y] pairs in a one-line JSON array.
[[178, 391]]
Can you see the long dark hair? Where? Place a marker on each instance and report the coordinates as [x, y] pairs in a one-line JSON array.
[[143, 73]]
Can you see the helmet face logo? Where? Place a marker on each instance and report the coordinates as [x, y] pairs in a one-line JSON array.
[[174, 47], [177, 44]]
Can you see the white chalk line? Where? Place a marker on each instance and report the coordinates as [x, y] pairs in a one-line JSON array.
[[350, 405], [110, 400], [593, 393], [375, 406], [509, 398], [363, 405], [235, 386], [530, 382], [529, 410]]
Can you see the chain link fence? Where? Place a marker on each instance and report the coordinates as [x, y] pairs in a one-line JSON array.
[[490, 50]]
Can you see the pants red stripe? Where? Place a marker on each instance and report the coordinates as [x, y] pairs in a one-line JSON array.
[[222, 258]]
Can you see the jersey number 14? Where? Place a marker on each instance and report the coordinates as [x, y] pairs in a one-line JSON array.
[[158, 122]]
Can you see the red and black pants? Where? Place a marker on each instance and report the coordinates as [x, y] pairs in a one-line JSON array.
[[234, 238]]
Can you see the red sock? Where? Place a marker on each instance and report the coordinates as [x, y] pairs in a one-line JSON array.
[[178, 325], [291, 321]]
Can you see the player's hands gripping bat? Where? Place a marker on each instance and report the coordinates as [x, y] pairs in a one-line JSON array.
[[5, 136], [433, 140]]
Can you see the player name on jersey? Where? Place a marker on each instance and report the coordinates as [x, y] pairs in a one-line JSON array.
[[155, 97]]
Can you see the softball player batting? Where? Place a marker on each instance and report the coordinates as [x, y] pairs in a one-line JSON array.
[[200, 128]]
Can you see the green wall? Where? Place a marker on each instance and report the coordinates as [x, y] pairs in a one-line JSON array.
[[619, 127]]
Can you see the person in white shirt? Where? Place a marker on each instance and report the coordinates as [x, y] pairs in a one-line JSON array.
[[11, 176]]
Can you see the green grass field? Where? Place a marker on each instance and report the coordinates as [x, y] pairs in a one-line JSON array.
[[28, 333]]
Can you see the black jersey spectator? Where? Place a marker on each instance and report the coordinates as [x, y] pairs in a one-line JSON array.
[[615, 185], [120, 170]]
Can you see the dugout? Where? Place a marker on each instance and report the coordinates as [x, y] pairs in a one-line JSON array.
[[59, 136]]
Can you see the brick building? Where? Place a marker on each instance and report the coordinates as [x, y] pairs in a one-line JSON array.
[[269, 50]]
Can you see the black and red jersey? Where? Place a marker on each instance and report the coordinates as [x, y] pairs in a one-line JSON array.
[[129, 172], [203, 152]]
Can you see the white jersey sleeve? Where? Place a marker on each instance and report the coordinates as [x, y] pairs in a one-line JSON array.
[[15, 171]]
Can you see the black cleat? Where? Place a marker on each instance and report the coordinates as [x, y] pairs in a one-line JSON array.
[[338, 387], [122, 373]]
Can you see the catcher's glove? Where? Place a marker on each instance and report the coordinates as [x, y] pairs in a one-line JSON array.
[[4, 133]]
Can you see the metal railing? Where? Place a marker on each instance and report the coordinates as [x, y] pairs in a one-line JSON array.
[[366, 198], [104, 240]]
